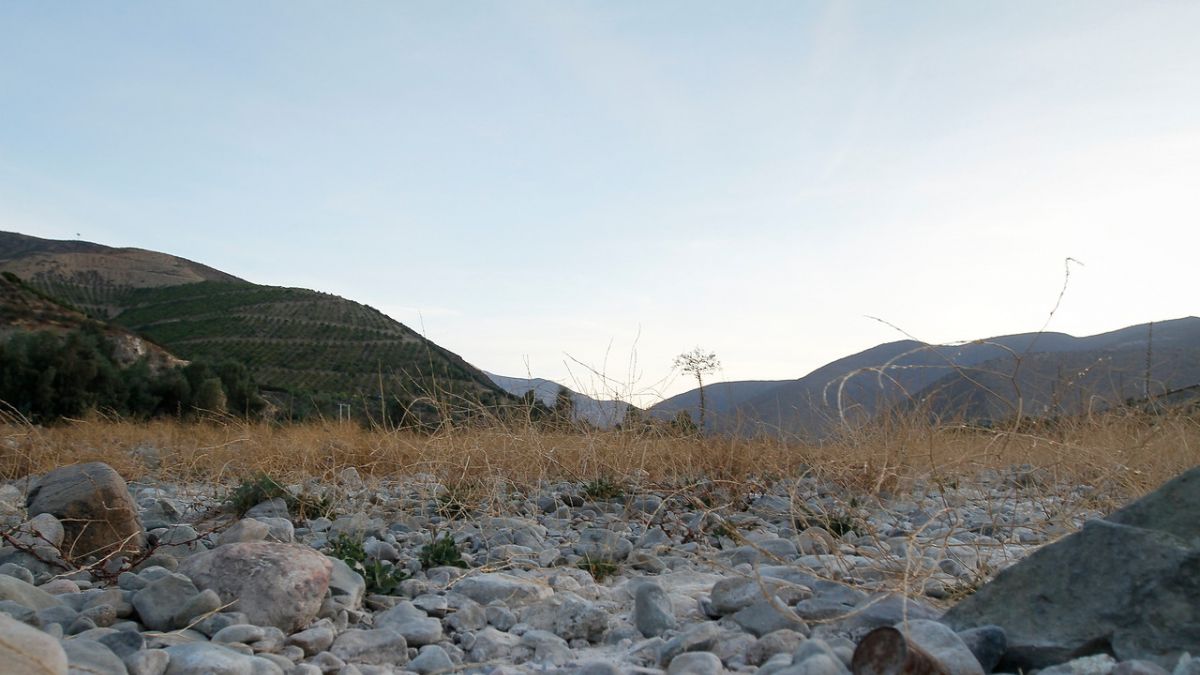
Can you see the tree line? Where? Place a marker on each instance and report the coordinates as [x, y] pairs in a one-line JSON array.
[[46, 376]]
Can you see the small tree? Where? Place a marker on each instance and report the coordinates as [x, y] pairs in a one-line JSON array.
[[698, 362]]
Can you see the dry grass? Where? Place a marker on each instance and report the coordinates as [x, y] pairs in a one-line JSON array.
[[1125, 452]]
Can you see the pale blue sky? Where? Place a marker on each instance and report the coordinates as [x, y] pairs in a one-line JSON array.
[[527, 182]]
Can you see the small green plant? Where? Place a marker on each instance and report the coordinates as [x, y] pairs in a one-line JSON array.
[[347, 549], [599, 568], [254, 491], [441, 552], [261, 488], [381, 579], [603, 488]]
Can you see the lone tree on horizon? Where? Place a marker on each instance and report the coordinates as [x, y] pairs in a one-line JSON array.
[[698, 362]]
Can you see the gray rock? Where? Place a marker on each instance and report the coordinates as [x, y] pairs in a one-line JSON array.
[[696, 663], [1097, 664], [24, 649], [157, 603], [885, 610], [698, 637], [313, 640], [940, 642], [567, 615], [772, 644], [246, 529], [378, 646], [485, 588], [206, 658], [597, 668], [499, 616], [198, 606], [279, 585], [93, 503], [419, 632], [768, 616], [42, 529], [468, 615], [1173, 508], [491, 645], [1187, 665], [123, 642], [17, 572], [1136, 587], [652, 612], [431, 659], [547, 647], [987, 643], [26, 594], [241, 632], [1138, 667], [600, 544], [731, 594], [347, 585], [817, 664], [279, 530], [148, 662], [86, 657], [272, 508]]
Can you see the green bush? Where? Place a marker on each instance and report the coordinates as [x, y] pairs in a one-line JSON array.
[[441, 552]]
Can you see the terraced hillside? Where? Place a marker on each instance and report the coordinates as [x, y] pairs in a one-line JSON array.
[[299, 340], [293, 340]]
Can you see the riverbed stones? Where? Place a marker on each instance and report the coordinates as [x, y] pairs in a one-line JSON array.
[[93, 504], [279, 585]]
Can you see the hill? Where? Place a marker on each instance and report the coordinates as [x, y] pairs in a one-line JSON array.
[[603, 414], [315, 346], [24, 309], [978, 380]]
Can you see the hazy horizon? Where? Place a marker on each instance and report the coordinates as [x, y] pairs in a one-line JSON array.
[[537, 186]]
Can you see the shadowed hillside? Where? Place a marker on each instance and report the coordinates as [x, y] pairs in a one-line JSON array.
[[292, 340]]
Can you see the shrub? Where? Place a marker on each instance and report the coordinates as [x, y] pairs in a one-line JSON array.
[[442, 552]]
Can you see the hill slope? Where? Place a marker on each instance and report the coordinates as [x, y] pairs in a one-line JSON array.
[[604, 414], [25, 309], [291, 339], [978, 380]]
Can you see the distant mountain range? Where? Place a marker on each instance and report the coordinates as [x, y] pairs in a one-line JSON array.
[[603, 414], [296, 341], [1040, 374]]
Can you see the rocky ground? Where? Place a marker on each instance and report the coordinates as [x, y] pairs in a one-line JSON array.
[[411, 576]]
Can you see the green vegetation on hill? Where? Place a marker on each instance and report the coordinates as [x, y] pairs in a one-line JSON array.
[[312, 349], [46, 376]]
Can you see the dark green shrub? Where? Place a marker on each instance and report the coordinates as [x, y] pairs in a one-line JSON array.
[[603, 488], [442, 552]]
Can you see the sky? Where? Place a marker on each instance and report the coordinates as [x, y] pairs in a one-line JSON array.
[[583, 190]]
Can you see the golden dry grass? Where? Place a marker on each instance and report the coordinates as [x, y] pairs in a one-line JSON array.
[[1127, 453]]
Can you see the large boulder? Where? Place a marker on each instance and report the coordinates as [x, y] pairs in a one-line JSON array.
[[93, 504], [1129, 583], [279, 585]]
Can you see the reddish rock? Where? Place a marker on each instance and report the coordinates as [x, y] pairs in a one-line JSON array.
[[93, 504]]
